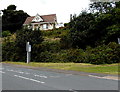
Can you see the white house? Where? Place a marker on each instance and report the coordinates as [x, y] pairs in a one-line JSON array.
[[44, 22]]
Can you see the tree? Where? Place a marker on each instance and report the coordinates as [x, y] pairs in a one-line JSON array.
[[79, 28], [101, 7], [12, 19], [22, 37], [11, 7], [90, 30]]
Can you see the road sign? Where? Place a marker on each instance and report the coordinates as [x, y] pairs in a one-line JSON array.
[[28, 47]]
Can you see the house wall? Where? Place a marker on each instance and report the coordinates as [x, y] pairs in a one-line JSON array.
[[45, 26]]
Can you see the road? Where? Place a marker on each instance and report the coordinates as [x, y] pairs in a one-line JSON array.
[[19, 78]]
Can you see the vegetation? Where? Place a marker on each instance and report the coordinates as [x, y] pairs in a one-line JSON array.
[[94, 29], [87, 38], [14, 50], [13, 19]]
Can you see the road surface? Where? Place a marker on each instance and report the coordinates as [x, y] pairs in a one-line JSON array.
[[19, 78]]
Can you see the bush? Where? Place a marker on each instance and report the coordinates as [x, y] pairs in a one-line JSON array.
[[44, 57], [16, 51], [105, 54], [6, 33], [51, 46]]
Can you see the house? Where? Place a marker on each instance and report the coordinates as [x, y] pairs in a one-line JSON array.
[[43, 22]]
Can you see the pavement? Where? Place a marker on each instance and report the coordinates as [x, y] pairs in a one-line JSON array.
[[18, 77]]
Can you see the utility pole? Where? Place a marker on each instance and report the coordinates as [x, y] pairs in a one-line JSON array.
[[28, 49]]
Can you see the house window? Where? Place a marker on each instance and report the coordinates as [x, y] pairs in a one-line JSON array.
[[45, 26]]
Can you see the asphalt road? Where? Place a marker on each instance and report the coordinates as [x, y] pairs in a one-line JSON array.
[[16, 78]]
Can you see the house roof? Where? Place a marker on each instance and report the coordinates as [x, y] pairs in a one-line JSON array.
[[46, 18]]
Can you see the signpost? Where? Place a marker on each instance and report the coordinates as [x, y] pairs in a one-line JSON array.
[[28, 49], [118, 40]]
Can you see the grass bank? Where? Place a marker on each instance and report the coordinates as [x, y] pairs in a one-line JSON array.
[[106, 69]]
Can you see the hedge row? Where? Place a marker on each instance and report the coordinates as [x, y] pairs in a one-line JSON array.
[[51, 52]]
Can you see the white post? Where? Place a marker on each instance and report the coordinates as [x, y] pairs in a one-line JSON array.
[[118, 40], [28, 49], [28, 57]]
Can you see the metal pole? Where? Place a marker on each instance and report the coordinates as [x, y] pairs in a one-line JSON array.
[[28, 49], [28, 57]]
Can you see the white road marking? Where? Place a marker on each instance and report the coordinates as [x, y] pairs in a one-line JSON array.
[[28, 79], [55, 76], [1, 68], [9, 70], [40, 76], [72, 90], [69, 74], [2, 72], [18, 71], [27, 73], [105, 77]]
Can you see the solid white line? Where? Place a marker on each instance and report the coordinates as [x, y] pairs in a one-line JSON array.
[[2, 72], [28, 79], [103, 77]]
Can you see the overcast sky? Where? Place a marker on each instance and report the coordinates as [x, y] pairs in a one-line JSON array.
[[62, 8]]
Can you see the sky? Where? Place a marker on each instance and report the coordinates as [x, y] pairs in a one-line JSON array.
[[62, 8]]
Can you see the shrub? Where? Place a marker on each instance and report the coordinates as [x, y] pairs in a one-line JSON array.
[[43, 57], [16, 51], [105, 54], [6, 33]]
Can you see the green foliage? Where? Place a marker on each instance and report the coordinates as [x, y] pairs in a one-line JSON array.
[[12, 19], [51, 46], [88, 38], [104, 54], [16, 51], [101, 7], [80, 26], [94, 29], [56, 33], [6, 33], [65, 42], [44, 57], [11, 7]]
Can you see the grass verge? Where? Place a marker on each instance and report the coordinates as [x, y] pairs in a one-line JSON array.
[[105, 69]]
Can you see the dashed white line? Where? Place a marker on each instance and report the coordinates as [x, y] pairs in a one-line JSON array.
[[69, 74], [2, 72], [9, 70], [1, 68], [72, 90], [18, 71], [28, 79], [40, 76], [55, 76], [27, 73]]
